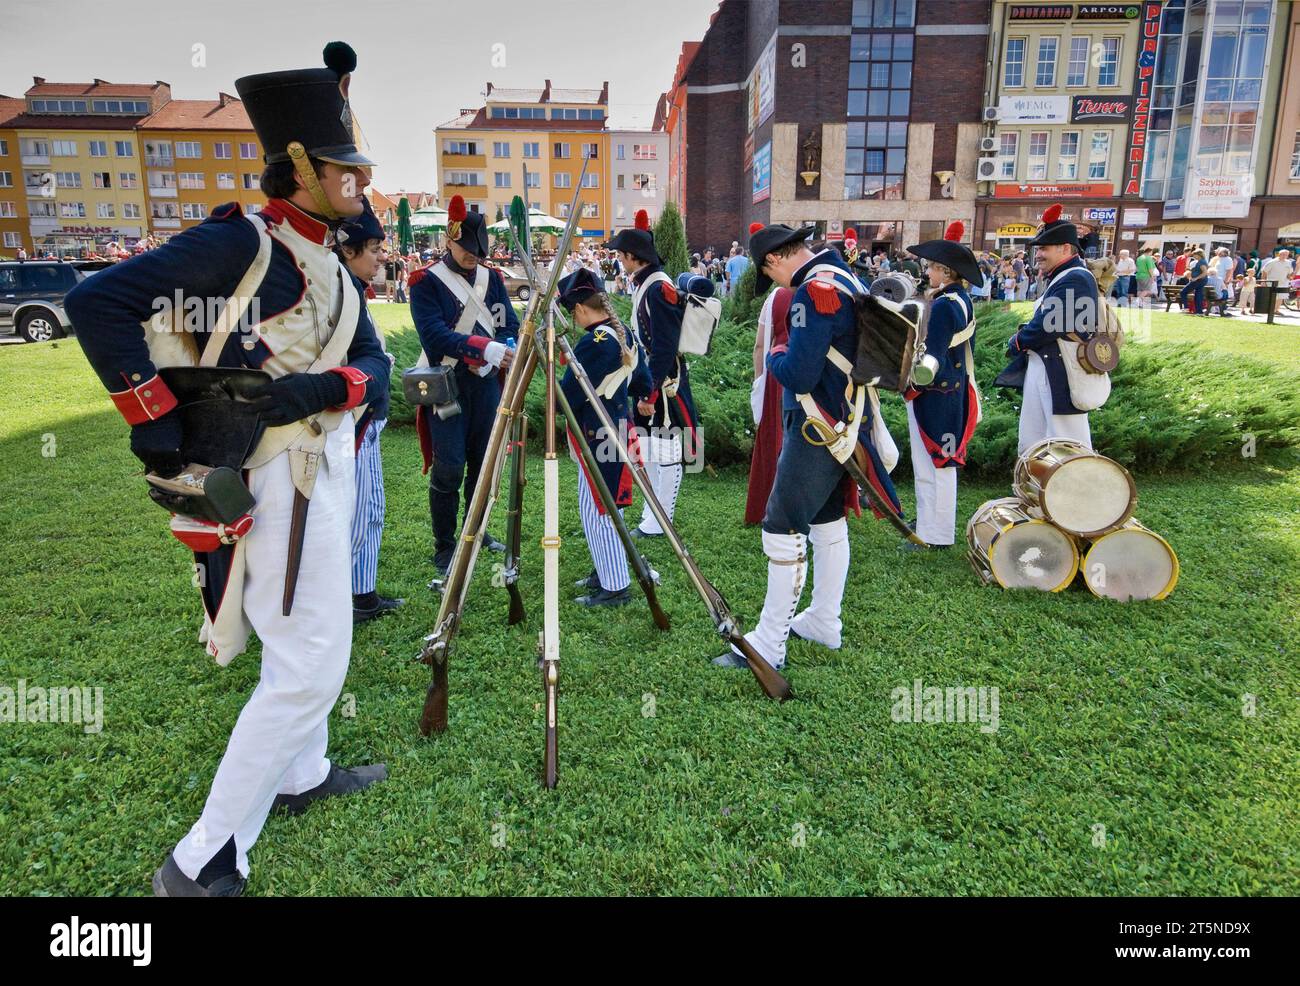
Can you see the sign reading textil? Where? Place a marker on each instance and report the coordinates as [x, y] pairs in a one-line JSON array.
[[1143, 74], [763, 172]]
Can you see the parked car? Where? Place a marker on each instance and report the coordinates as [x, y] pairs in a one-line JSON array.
[[32, 293], [517, 284]]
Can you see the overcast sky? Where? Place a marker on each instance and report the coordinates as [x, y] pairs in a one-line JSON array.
[[418, 62]]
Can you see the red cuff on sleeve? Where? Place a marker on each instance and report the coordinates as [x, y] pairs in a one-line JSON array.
[[145, 402], [356, 379], [654, 397], [479, 343]]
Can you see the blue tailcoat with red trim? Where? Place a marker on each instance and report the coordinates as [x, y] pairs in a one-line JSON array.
[[659, 321], [203, 263], [1068, 305], [435, 311], [821, 316], [599, 353], [949, 406]]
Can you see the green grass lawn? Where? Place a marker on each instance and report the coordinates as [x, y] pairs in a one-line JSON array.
[[675, 777]]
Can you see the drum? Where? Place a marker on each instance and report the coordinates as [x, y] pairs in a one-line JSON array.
[[1076, 489], [1132, 562], [1008, 546]]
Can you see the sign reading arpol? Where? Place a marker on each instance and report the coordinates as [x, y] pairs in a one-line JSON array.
[[1054, 190], [1108, 11], [1085, 109]]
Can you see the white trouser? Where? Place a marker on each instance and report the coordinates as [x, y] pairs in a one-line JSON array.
[[787, 565], [607, 554], [278, 743], [664, 468], [936, 491], [820, 622], [1036, 418]]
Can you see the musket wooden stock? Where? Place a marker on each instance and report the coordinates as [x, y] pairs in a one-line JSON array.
[[514, 518]]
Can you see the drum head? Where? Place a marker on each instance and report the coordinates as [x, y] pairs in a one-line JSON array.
[[1089, 495], [1131, 563], [1033, 555]]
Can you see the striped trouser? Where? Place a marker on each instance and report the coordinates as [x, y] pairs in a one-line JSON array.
[[368, 519], [606, 549]]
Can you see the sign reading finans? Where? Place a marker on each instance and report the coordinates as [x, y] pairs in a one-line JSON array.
[[1143, 74], [1086, 109]]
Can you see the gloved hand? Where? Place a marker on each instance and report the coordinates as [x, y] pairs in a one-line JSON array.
[[157, 444], [494, 352], [295, 396]]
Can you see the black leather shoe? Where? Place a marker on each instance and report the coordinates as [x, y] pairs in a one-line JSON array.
[[340, 780], [637, 533], [603, 597], [170, 881], [730, 660], [371, 605], [591, 583], [492, 544], [442, 561]]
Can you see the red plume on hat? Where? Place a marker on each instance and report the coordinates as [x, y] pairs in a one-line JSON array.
[[1052, 213], [955, 231], [754, 228], [850, 233], [642, 219], [456, 213]]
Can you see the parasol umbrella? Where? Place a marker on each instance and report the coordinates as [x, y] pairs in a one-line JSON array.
[[431, 219], [405, 240], [538, 222]]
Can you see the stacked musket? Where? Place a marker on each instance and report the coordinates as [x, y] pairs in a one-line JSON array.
[[1072, 512]]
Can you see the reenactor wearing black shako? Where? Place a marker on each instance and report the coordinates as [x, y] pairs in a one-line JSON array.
[[464, 318], [1068, 307], [942, 416], [259, 382], [667, 413], [609, 354], [812, 492]]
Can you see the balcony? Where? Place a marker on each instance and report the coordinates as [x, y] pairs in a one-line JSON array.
[[467, 192], [465, 161], [158, 161], [36, 159], [161, 193], [165, 223]]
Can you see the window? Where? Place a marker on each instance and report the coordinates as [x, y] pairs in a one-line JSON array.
[[563, 179], [64, 148], [884, 13], [164, 210], [534, 180], [127, 179], [123, 148], [250, 208], [1045, 75], [158, 154], [162, 179], [591, 151], [1076, 72], [564, 210], [464, 178], [460, 147], [225, 179], [591, 180], [533, 150], [130, 210], [1099, 156], [191, 149], [13, 241], [102, 179], [191, 179], [880, 81], [1008, 145], [35, 148], [6, 179], [220, 150], [4, 148], [8, 210], [590, 210], [1108, 72], [502, 179], [560, 113], [1037, 163], [500, 148], [252, 182], [98, 148], [40, 210], [1295, 158], [248, 151], [1013, 69], [618, 182], [621, 152], [194, 210], [72, 210], [643, 182], [1067, 157], [104, 210], [644, 152], [68, 179], [560, 151]]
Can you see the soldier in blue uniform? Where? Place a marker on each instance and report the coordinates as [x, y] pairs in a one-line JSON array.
[[1068, 304], [609, 354], [812, 492], [360, 244], [667, 414], [942, 416], [295, 314], [463, 315]]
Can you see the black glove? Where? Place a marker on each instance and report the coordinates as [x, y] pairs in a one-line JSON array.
[[295, 396], [157, 444]]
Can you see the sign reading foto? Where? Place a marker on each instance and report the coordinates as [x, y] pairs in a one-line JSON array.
[[1034, 109]]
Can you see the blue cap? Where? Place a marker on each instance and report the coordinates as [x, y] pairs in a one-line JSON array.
[[354, 231], [578, 286]]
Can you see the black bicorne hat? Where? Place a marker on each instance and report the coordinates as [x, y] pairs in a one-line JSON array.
[[467, 229], [1053, 229], [638, 241], [763, 240], [356, 230], [305, 106], [577, 287], [952, 253]]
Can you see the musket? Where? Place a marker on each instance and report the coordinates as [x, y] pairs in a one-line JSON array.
[[640, 567], [437, 645], [514, 517]]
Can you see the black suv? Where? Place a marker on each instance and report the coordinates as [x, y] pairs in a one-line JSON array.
[[32, 293]]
